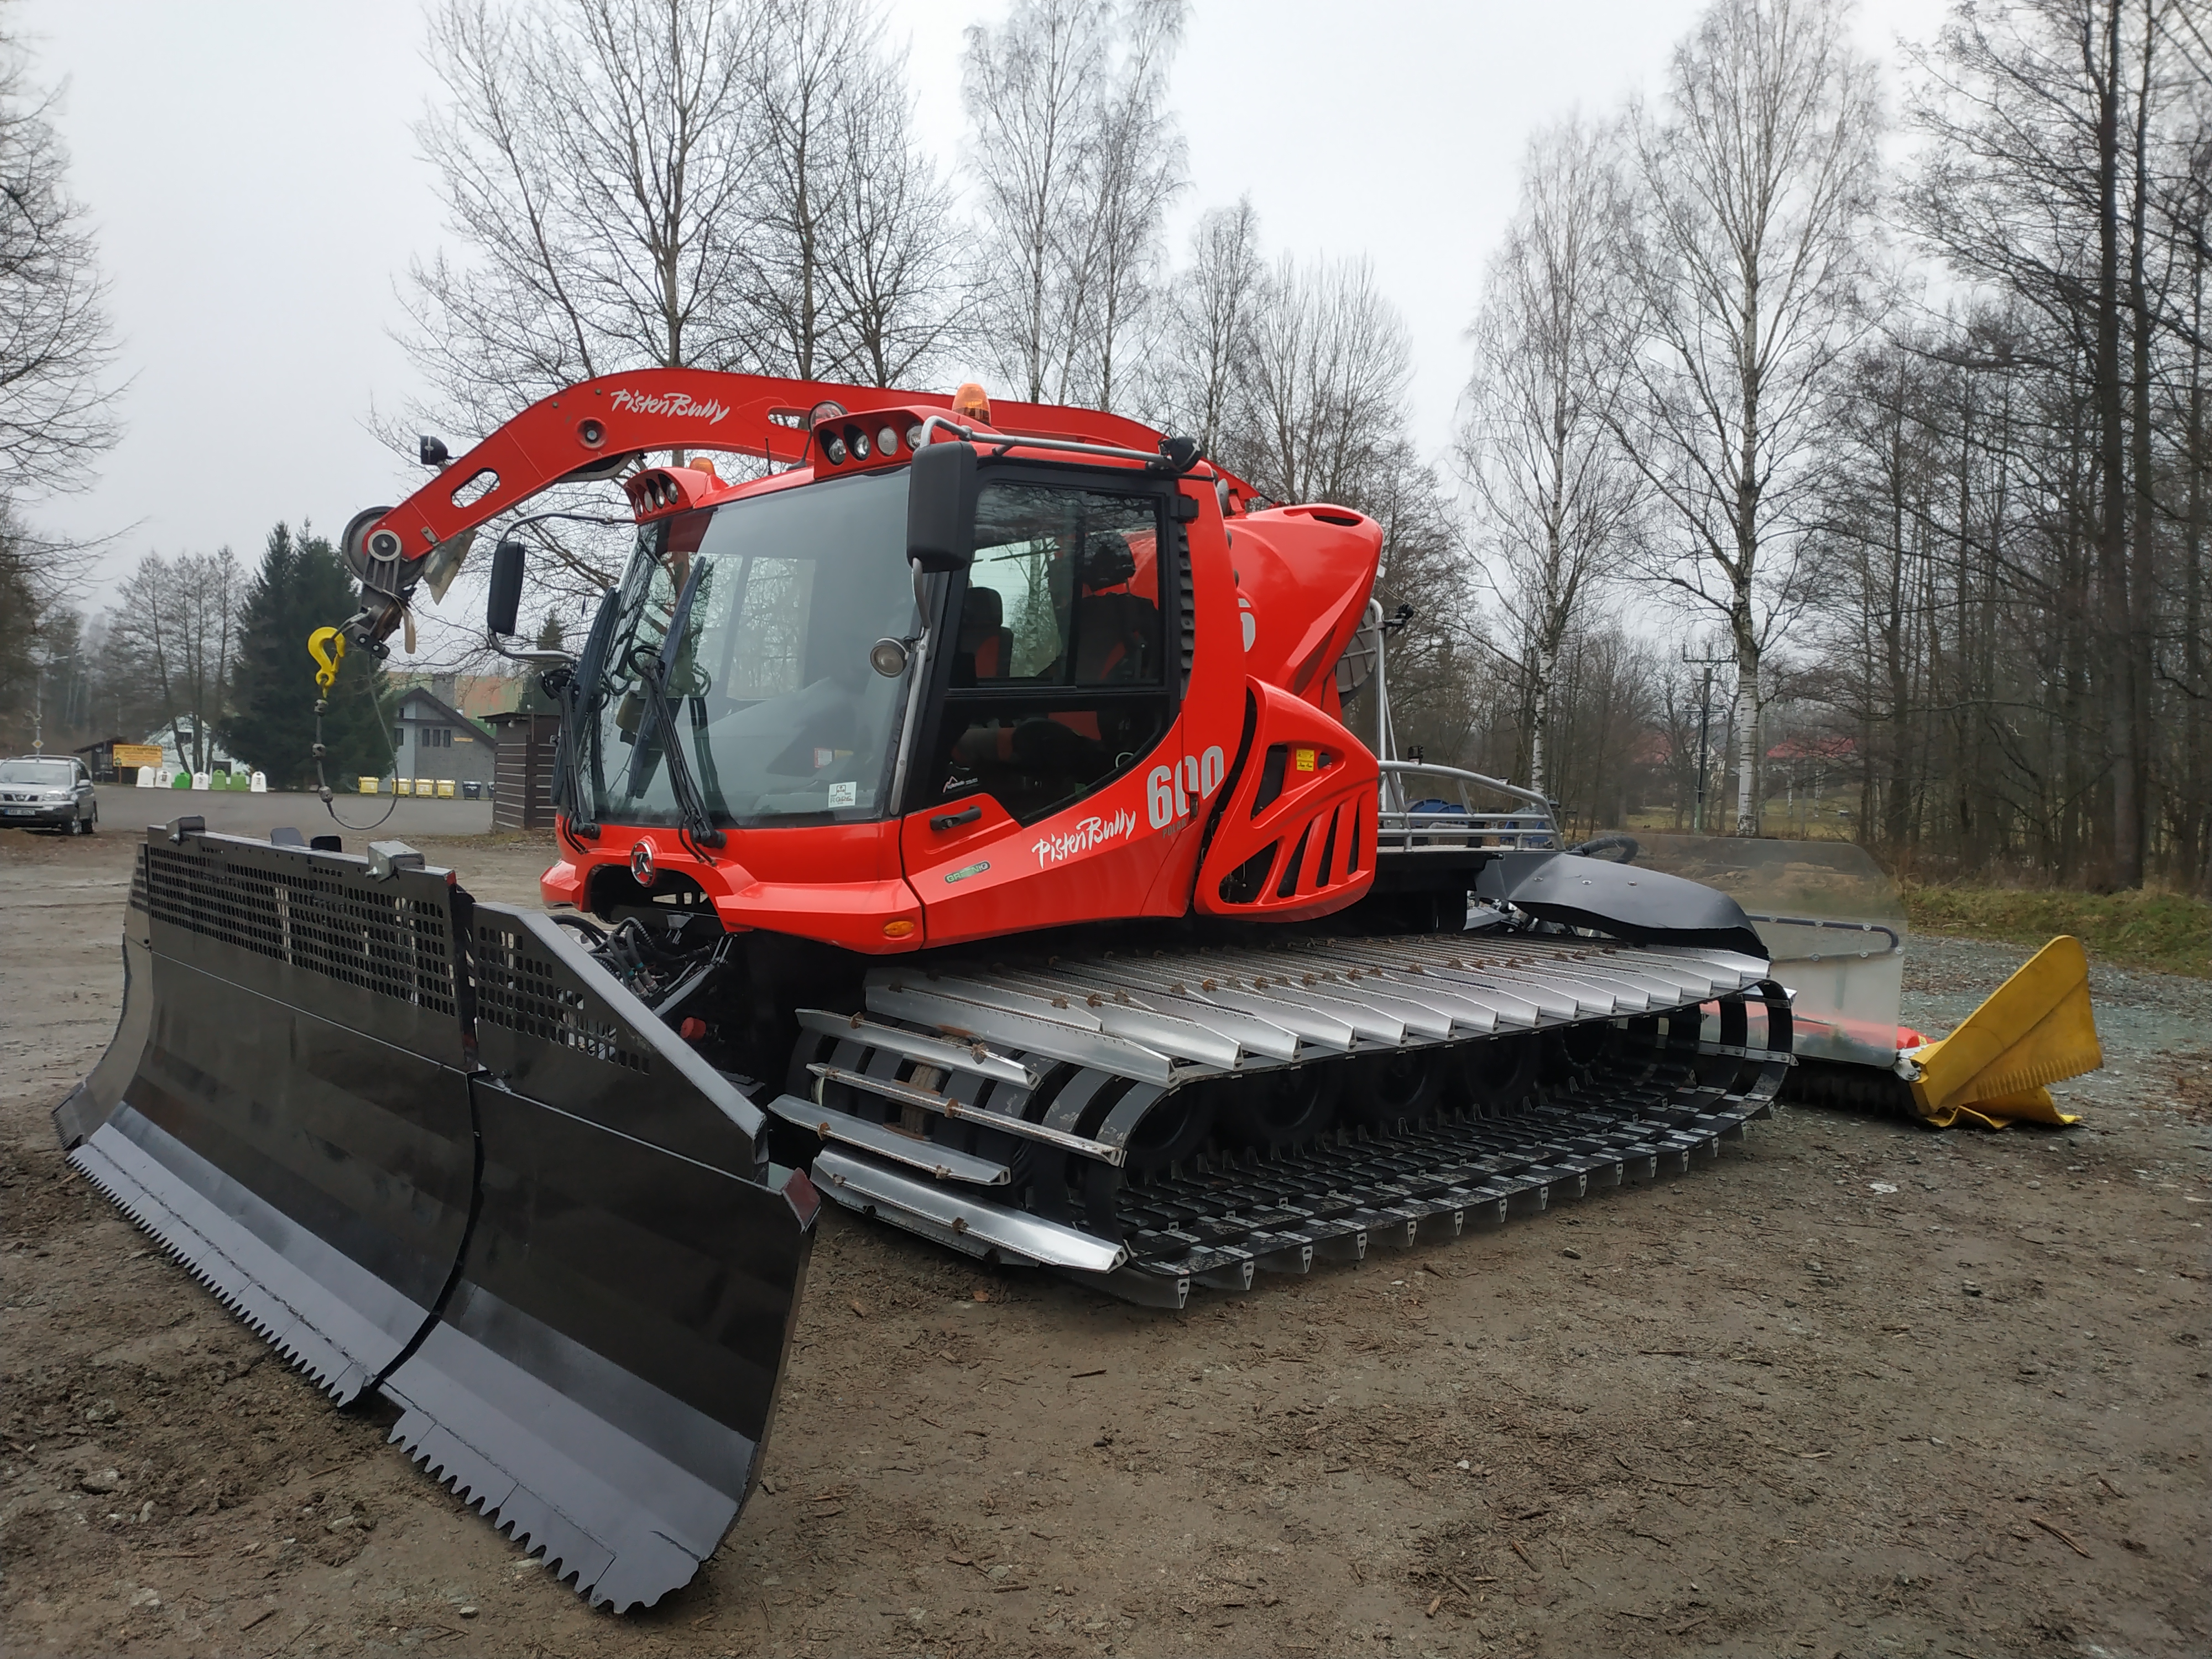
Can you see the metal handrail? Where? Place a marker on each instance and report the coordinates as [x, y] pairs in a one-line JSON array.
[[1498, 784], [1457, 829]]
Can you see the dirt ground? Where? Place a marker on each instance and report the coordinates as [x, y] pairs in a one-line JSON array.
[[1857, 1388]]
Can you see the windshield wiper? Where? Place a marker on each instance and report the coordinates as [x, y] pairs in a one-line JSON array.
[[578, 690], [698, 826]]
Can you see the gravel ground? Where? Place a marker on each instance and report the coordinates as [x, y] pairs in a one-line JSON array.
[[1858, 1389]]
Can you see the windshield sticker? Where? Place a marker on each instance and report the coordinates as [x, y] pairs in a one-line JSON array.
[[844, 794], [1091, 832], [966, 870], [679, 404]]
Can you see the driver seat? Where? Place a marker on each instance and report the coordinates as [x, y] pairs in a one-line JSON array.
[[986, 644]]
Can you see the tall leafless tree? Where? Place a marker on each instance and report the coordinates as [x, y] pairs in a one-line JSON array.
[[1194, 386], [1555, 497], [177, 625], [2053, 166], [1325, 381], [598, 167], [1755, 181], [1077, 156], [855, 245], [897, 287], [56, 350], [714, 184]]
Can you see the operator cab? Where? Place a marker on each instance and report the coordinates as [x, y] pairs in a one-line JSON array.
[[1032, 669]]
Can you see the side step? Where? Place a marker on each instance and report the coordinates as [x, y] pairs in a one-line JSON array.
[[961, 1219]]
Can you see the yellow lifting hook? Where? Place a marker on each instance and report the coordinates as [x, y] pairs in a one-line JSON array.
[[327, 647]]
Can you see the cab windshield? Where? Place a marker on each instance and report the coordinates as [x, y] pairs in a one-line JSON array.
[[768, 691]]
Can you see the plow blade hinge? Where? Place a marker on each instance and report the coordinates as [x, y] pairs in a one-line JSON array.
[[2036, 1028]]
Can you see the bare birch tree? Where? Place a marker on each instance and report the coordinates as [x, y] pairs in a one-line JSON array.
[[1324, 382], [1137, 171], [808, 72], [1755, 183], [714, 184], [2059, 142], [57, 349], [56, 344], [1555, 497], [1194, 386], [1077, 157], [852, 239], [897, 286], [599, 167], [177, 627]]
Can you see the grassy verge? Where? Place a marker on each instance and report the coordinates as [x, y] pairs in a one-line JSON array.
[[2161, 932]]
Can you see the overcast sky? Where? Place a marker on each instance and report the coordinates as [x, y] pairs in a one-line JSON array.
[[256, 187]]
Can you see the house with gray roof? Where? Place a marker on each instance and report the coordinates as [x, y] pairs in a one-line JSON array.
[[431, 739]]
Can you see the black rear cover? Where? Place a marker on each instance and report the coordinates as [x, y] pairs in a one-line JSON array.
[[1645, 907]]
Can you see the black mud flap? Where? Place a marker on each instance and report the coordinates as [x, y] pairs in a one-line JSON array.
[[295, 1123], [602, 1379], [1627, 901], [431, 1147]]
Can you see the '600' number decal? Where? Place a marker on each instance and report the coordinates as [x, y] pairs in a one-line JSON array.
[[1170, 790]]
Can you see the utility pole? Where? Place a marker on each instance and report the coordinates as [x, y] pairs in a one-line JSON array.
[[1704, 727]]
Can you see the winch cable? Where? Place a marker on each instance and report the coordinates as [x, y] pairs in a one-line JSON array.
[[327, 647]]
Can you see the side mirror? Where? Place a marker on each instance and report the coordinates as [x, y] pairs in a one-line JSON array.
[[940, 522], [506, 598], [1179, 454]]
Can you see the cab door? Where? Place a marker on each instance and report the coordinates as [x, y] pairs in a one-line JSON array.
[[1053, 695]]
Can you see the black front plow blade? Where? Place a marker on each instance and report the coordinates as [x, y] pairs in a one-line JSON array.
[[430, 1147], [603, 1376], [295, 1123]]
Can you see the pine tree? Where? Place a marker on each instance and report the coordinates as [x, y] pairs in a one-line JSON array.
[[301, 585]]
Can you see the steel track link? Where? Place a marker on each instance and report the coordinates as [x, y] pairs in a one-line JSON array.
[[1071, 1055], [1465, 1169]]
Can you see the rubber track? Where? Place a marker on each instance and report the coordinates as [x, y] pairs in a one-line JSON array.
[[1632, 1115], [1464, 1170]]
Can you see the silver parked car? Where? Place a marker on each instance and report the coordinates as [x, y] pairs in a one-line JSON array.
[[48, 791]]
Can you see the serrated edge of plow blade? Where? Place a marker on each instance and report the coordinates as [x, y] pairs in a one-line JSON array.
[[195, 1262], [473, 1488]]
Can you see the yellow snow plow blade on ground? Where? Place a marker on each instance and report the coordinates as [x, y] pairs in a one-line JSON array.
[[2035, 1029]]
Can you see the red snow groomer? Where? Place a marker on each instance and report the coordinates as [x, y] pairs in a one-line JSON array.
[[964, 822]]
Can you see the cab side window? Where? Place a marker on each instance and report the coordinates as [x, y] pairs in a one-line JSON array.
[[1058, 681]]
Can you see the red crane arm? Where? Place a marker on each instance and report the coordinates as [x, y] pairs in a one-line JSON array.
[[592, 428]]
